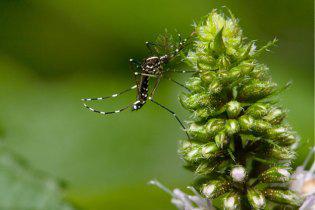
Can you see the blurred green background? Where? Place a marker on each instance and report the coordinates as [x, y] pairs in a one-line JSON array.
[[52, 53]]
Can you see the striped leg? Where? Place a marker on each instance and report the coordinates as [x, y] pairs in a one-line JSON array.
[[173, 113], [105, 113], [144, 74], [172, 80], [112, 96], [157, 82], [184, 71], [135, 63]]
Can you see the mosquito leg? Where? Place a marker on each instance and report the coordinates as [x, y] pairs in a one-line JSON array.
[[134, 63], [105, 113], [172, 80], [144, 74], [184, 71], [173, 113], [167, 109], [157, 82], [151, 47], [112, 96], [181, 43], [179, 38]]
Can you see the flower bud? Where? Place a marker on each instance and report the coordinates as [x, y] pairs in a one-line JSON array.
[[246, 122], [258, 110], [275, 116], [221, 139], [203, 63], [283, 196], [208, 76], [283, 135], [215, 188], [184, 100], [201, 114], [233, 109], [275, 175], [256, 90], [256, 198], [205, 168], [194, 101], [190, 151], [261, 127], [234, 73], [215, 87], [238, 173], [281, 153], [232, 201], [223, 62], [209, 150], [194, 84], [198, 132], [260, 71], [247, 67], [232, 126], [213, 126]]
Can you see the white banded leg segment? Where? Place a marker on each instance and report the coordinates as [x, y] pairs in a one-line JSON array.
[[112, 96], [105, 113], [144, 74], [185, 71]]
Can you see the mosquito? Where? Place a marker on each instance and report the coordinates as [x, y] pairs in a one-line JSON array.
[[152, 67]]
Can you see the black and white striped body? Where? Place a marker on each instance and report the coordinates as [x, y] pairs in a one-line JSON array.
[[142, 93], [151, 67]]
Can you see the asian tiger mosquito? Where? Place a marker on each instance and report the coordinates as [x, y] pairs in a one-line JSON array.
[[154, 67]]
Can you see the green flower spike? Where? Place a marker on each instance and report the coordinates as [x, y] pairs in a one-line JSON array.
[[240, 146]]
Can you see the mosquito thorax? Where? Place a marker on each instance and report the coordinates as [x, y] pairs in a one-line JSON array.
[[152, 61]]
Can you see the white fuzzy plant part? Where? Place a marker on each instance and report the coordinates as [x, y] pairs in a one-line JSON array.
[[238, 173], [184, 201], [303, 182]]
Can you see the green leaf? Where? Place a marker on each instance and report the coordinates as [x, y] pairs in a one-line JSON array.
[[27, 189]]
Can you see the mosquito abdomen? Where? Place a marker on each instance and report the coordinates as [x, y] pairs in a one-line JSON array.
[[142, 93]]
